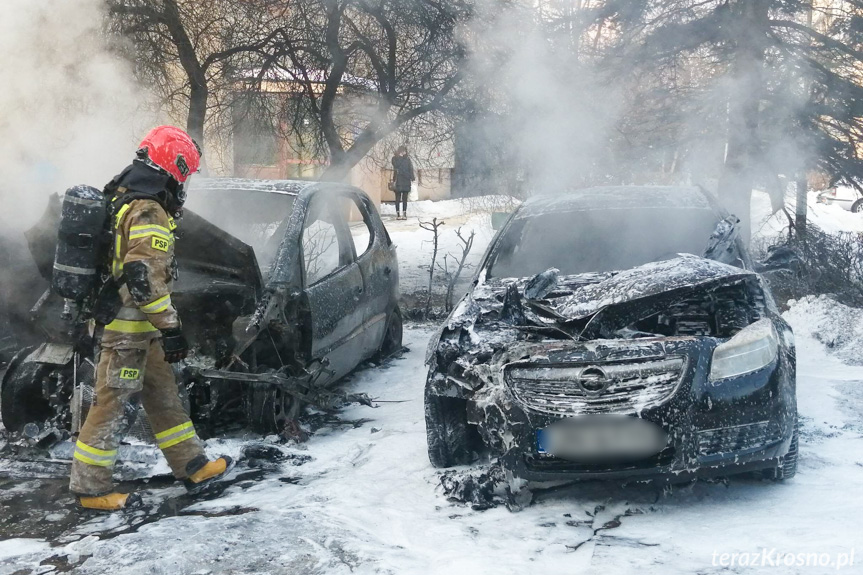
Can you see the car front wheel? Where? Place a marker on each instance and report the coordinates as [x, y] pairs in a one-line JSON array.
[[21, 397], [447, 431], [857, 207]]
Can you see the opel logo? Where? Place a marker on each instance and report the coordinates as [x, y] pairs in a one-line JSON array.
[[593, 381]]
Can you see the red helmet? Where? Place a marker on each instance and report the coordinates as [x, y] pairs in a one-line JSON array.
[[172, 150]]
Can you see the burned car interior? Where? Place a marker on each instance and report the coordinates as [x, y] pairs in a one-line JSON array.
[[524, 250], [264, 269], [583, 317]]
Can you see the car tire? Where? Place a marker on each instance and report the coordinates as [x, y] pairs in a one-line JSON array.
[[21, 400], [857, 207], [392, 342], [447, 431], [269, 410], [787, 467]]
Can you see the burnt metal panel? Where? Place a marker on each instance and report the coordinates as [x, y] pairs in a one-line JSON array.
[[206, 249]]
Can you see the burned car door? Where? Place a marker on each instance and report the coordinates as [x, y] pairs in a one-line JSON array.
[[376, 260], [333, 285]]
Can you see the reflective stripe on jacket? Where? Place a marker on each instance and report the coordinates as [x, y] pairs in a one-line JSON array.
[[143, 254]]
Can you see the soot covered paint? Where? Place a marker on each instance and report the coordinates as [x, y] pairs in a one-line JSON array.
[[518, 355], [266, 341]]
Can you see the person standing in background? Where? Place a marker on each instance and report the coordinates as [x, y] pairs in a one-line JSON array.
[[403, 175]]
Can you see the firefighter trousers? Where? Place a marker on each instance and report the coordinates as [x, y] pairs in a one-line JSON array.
[[124, 377]]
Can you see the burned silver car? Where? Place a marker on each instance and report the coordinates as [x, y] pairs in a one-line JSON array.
[[284, 288], [594, 344]]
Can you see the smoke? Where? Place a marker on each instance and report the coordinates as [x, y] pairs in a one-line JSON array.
[[592, 98], [552, 114], [71, 109]]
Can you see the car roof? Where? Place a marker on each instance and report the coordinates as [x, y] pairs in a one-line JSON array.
[[619, 197], [284, 187]]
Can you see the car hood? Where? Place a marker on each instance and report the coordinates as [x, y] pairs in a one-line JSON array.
[[596, 304], [207, 254], [683, 273]]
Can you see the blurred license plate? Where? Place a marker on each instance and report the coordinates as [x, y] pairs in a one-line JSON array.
[[601, 437]]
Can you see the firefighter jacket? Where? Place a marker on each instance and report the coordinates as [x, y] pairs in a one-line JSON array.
[[143, 263]]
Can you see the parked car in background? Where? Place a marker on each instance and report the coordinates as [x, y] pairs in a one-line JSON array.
[[595, 344], [846, 197], [284, 287]]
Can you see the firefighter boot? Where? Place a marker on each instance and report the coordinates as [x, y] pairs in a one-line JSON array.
[[110, 502], [203, 473]]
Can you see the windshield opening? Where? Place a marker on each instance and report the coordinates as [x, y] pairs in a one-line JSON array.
[[586, 241], [255, 218]]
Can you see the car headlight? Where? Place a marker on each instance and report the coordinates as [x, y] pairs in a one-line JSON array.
[[753, 348]]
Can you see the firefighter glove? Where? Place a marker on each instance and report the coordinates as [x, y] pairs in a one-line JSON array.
[[175, 345]]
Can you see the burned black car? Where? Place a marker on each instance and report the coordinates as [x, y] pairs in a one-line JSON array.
[[593, 344], [284, 287]]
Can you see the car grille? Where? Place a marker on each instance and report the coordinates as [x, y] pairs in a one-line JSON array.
[[569, 389], [738, 438]]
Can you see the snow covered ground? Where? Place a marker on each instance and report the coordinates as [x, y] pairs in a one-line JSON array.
[[361, 497], [832, 219], [369, 502], [415, 245]]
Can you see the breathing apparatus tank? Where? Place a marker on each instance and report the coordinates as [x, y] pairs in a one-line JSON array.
[[80, 243]]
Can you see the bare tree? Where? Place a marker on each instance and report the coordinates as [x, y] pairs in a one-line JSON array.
[[465, 247], [357, 70], [782, 78], [434, 227], [364, 69], [188, 50]]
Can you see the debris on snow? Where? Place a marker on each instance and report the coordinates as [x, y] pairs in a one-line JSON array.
[[481, 488]]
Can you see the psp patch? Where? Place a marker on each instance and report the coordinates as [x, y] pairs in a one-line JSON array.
[[160, 244], [129, 373]]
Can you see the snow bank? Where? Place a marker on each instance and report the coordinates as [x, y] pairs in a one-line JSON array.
[[837, 326], [454, 207], [12, 548], [832, 219]]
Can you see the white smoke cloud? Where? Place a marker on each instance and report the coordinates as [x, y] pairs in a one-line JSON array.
[[556, 112], [70, 110]]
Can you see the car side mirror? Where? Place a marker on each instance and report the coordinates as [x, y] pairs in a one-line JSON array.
[[720, 245], [779, 258]]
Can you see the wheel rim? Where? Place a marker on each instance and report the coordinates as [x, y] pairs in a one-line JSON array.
[[283, 404], [21, 391], [269, 409], [393, 337]]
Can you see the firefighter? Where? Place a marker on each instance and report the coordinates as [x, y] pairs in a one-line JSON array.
[[138, 346]]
